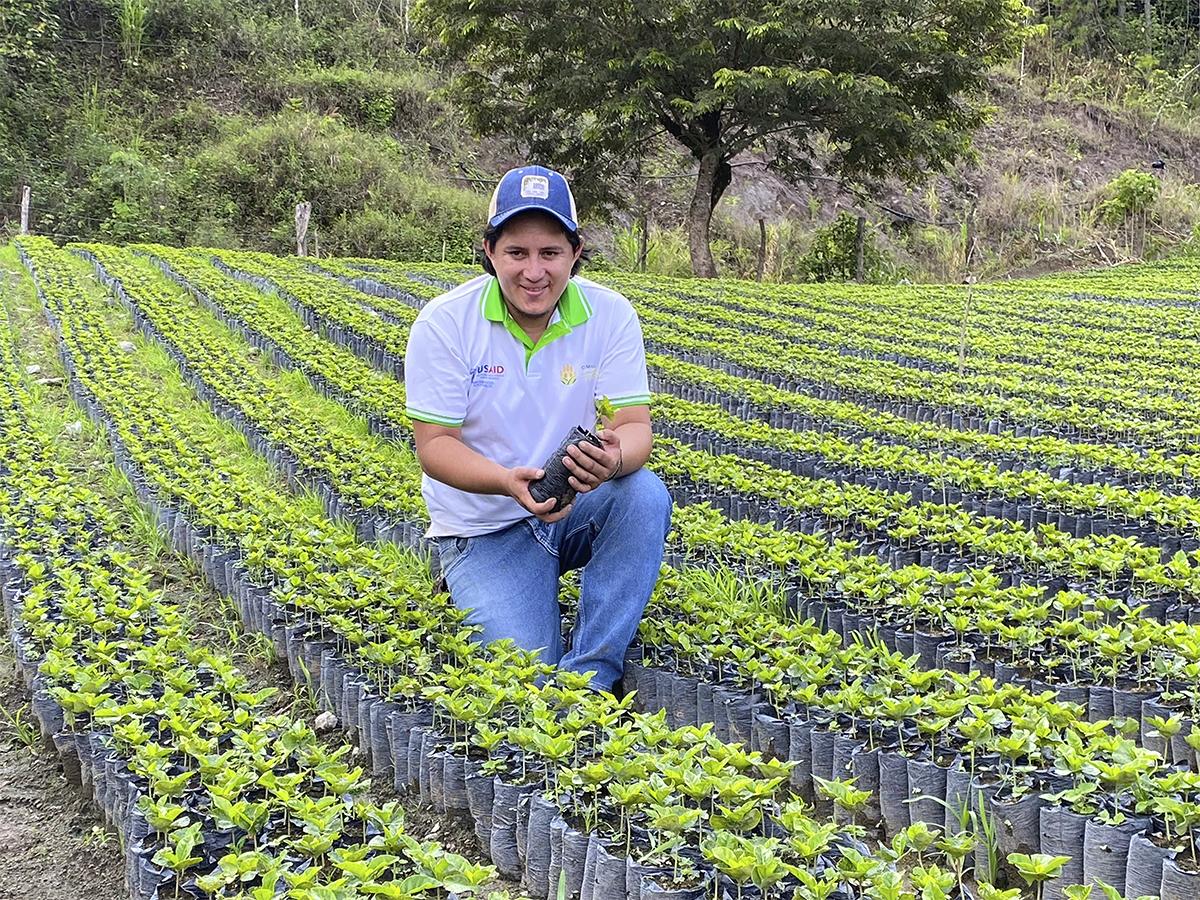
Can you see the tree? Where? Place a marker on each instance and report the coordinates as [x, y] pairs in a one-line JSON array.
[[879, 87]]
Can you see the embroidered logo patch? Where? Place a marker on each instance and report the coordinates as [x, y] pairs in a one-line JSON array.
[[567, 376], [537, 186]]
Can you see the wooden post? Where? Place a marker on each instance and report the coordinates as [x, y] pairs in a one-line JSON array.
[[25, 209], [303, 211], [969, 238], [964, 328], [860, 248], [762, 246], [643, 240]]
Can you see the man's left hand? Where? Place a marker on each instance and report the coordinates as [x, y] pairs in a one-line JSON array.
[[590, 466]]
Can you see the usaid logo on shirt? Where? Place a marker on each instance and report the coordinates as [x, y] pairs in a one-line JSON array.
[[486, 374]]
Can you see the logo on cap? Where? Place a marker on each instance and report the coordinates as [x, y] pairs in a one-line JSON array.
[[535, 186]]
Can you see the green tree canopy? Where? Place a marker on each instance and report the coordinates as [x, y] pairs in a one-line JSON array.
[[881, 87]]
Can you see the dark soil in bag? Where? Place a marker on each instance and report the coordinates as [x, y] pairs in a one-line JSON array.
[[1144, 866], [926, 791], [651, 890], [503, 844], [1018, 822], [770, 736], [555, 484], [454, 783], [1106, 850], [864, 766], [800, 752], [1061, 833], [608, 875], [574, 855], [704, 702], [683, 701], [1178, 883], [822, 754], [893, 790], [537, 846], [479, 788]]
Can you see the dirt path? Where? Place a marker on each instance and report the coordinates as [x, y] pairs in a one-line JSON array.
[[53, 844]]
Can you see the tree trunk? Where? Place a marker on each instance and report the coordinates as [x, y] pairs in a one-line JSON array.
[[1121, 10], [700, 215], [1149, 11]]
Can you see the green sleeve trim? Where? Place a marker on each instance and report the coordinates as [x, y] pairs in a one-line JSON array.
[[634, 400], [433, 418]]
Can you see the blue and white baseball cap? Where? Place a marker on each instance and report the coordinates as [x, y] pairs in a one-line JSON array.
[[533, 187]]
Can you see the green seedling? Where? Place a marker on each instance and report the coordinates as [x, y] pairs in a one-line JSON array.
[[23, 730], [177, 855], [1037, 868], [988, 891]]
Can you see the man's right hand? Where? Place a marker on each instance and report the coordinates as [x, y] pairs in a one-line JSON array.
[[517, 482]]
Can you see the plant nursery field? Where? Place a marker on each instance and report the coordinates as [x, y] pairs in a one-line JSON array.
[[929, 625]]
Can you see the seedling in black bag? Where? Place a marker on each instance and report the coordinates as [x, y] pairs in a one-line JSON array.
[[555, 482]]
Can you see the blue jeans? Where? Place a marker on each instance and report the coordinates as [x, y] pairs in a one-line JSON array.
[[508, 580]]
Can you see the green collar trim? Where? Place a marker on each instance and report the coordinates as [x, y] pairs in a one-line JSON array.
[[573, 310]]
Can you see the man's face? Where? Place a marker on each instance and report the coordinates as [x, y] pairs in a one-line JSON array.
[[533, 262]]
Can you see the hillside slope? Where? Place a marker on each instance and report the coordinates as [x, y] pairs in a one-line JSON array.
[[226, 115]]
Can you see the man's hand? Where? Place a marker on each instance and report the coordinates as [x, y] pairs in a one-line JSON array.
[[590, 466], [517, 482]]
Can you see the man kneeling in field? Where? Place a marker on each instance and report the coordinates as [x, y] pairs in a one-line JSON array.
[[498, 371]]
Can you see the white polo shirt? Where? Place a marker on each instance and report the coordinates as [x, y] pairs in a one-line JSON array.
[[470, 365]]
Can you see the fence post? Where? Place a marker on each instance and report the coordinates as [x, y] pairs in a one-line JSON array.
[[25, 209], [762, 247], [860, 244], [969, 238], [303, 211]]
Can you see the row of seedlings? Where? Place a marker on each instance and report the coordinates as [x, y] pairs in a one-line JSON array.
[[211, 793], [341, 601]]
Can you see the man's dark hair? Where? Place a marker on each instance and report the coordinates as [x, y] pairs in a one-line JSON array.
[[492, 234]]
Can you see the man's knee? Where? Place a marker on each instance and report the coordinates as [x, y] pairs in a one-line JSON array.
[[646, 493]]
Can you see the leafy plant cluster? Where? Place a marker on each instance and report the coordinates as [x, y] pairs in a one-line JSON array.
[[1045, 379], [724, 630], [1034, 736], [1124, 508], [1125, 353], [376, 605], [1099, 410], [1113, 567], [345, 376], [1161, 471], [1068, 644], [1087, 558], [320, 301], [1153, 464], [1082, 663], [1079, 647], [231, 799], [321, 437]]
